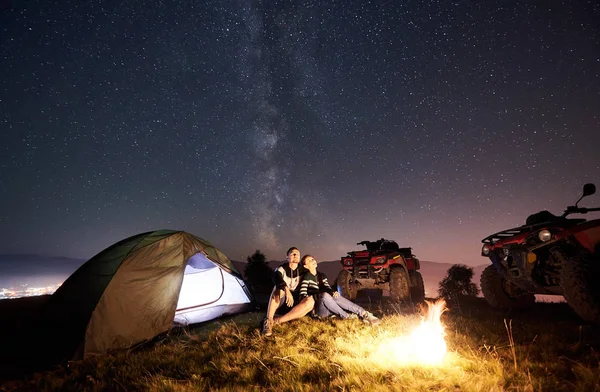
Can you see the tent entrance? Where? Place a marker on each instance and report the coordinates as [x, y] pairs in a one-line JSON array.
[[207, 292], [203, 283]]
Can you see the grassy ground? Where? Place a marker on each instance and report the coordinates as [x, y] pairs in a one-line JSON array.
[[545, 348]]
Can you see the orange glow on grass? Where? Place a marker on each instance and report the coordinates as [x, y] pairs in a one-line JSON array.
[[425, 345]]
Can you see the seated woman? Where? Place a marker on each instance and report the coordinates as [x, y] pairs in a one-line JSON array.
[[327, 301]]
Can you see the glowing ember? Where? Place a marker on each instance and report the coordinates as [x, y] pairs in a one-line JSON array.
[[425, 345]]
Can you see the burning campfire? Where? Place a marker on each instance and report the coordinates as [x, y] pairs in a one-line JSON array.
[[424, 345]]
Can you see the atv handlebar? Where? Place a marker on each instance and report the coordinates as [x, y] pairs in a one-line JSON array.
[[578, 210], [586, 210]]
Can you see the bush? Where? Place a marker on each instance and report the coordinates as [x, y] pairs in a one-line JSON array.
[[457, 284], [258, 274]]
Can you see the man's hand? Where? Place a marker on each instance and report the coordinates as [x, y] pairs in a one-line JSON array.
[[336, 294], [276, 294], [289, 299]]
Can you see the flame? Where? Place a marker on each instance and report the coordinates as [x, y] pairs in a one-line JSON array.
[[424, 345], [427, 340]]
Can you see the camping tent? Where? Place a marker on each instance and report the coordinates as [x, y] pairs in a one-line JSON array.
[[139, 288]]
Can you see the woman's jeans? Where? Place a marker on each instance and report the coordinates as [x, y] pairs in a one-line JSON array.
[[326, 305]]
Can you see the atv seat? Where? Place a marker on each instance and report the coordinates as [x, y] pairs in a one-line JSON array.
[[541, 217], [548, 217]]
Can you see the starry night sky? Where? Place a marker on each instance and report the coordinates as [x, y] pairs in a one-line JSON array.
[[319, 124]]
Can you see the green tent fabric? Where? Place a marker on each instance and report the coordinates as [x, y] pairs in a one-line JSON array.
[[127, 293]]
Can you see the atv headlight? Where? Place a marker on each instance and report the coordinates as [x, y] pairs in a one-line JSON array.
[[485, 251], [545, 236], [380, 260]]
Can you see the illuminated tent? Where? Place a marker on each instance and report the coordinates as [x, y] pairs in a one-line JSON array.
[[139, 288]]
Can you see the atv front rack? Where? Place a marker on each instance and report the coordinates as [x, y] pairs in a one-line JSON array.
[[501, 235], [504, 234]]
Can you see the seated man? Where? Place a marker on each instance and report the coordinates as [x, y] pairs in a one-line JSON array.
[[287, 282], [329, 302]]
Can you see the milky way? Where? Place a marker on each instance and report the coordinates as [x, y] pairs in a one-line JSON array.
[[318, 124]]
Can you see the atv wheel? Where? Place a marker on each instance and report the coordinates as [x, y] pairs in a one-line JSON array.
[[578, 280], [399, 288], [500, 293], [417, 291], [346, 289]]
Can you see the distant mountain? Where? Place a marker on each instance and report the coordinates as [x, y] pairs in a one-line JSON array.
[[432, 272], [38, 270], [35, 270]]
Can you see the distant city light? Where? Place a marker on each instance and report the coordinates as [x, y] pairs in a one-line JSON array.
[[26, 291]]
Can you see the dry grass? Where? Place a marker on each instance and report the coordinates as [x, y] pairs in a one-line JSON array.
[[488, 351]]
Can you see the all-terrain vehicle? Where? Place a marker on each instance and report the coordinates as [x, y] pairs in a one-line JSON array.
[[385, 266], [548, 255]]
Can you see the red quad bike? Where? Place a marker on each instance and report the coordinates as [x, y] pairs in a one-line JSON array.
[[548, 255], [384, 265]]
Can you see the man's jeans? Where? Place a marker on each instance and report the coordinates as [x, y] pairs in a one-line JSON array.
[[327, 305]]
